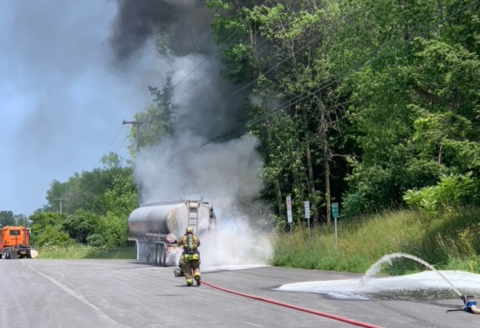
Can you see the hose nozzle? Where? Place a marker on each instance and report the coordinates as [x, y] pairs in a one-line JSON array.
[[470, 304]]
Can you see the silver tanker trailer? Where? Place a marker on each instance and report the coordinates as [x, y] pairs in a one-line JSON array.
[[156, 227]]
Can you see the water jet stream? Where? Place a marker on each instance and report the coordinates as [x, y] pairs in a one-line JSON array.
[[388, 259]]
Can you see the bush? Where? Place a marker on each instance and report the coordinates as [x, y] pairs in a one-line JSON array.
[[451, 192], [50, 236]]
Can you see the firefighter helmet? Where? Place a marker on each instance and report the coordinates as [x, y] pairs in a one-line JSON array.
[[189, 230]]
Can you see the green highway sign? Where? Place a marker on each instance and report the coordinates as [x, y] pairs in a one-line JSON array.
[[335, 210]]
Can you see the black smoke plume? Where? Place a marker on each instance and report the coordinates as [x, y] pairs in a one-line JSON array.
[[186, 22], [206, 105]]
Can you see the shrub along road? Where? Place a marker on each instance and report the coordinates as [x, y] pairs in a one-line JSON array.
[[122, 293]]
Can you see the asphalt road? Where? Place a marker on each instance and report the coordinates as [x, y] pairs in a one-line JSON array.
[[114, 293]]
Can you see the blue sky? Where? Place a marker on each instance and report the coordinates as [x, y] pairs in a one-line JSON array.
[[62, 101]]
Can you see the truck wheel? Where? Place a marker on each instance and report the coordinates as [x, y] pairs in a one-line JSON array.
[[157, 255], [163, 255]]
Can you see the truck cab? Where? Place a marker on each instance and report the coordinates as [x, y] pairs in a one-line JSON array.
[[15, 242]]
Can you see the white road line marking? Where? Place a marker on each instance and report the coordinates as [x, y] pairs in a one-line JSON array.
[[252, 324], [77, 295]]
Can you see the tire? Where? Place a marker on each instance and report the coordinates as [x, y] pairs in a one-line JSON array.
[[157, 255], [160, 255], [165, 262]]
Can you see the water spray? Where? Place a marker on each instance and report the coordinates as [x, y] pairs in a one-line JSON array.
[[388, 258]]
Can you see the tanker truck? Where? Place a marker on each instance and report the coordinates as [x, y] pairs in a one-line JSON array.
[[157, 226]]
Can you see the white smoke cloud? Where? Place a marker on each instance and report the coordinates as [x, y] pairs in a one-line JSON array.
[[226, 174], [181, 167]]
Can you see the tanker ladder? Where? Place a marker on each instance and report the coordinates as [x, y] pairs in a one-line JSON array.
[[193, 215]]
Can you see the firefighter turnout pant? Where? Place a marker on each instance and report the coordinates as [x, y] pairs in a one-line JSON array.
[[192, 267]]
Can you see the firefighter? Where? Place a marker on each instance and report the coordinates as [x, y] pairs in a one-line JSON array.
[[190, 259]]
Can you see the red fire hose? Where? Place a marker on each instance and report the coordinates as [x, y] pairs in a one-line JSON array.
[[298, 308]]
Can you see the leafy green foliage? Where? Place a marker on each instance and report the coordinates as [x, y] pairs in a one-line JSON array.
[[103, 223], [80, 225], [415, 113], [47, 230], [451, 192]]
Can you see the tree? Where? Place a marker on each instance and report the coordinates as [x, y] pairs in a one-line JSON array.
[[95, 210], [80, 225], [414, 109], [283, 48], [86, 191], [47, 230], [155, 122], [6, 218]]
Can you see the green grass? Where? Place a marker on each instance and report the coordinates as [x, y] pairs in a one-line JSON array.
[[446, 240], [86, 252]]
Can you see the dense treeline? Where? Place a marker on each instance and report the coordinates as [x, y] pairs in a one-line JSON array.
[[9, 218], [91, 208], [371, 103]]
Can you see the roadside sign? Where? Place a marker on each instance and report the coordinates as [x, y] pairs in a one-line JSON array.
[[289, 209], [335, 216], [335, 210], [307, 209]]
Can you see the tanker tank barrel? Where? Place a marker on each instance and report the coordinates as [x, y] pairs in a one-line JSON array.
[[153, 225]]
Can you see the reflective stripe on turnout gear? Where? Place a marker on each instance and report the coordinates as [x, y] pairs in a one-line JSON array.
[[191, 257]]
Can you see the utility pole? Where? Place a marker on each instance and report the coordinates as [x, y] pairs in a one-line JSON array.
[[137, 125]]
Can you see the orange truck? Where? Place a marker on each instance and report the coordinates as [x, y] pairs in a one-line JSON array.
[[15, 242]]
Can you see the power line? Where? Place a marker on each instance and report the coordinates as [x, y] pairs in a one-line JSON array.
[[124, 140], [111, 143], [290, 103], [116, 135]]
